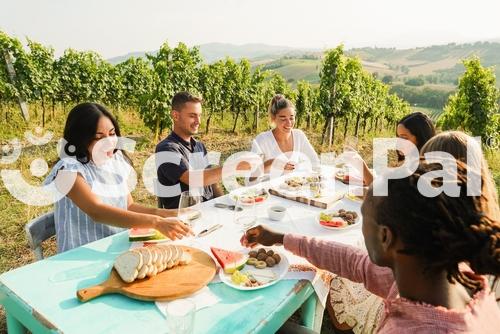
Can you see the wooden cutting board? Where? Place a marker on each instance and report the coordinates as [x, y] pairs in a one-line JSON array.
[[323, 202], [170, 284]]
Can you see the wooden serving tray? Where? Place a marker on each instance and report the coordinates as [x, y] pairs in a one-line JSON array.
[[178, 282], [324, 202]]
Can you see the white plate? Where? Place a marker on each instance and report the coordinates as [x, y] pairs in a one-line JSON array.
[[347, 227], [279, 271], [234, 195]]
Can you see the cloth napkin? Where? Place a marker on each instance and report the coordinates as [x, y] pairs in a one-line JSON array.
[[203, 298]]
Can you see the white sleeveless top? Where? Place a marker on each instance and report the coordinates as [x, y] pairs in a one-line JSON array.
[[266, 144]]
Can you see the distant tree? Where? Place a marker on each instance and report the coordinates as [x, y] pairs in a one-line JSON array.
[[42, 78], [136, 77], [388, 79], [78, 76], [11, 90], [174, 70], [474, 107], [258, 89], [334, 89], [415, 81], [302, 103], [426, 97], [211, 81]]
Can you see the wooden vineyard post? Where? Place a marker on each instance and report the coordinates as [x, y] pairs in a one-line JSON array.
[[12, 76]]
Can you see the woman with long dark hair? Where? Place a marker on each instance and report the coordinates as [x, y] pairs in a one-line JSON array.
[[417, 128], [97, 202]]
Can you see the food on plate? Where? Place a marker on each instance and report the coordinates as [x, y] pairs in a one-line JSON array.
[[263, 276], [270, 262], [340, 218], [229, 261], [311, 179], [251, 196], [245, 279], [349, 178], [262, 258], [238, 277], [256, 274], [144, 234], [295, 182], [252, 253], [260, 264], [149, 261]]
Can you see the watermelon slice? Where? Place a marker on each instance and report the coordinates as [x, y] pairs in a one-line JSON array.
[[339, 222], [144, 234], [229, 261]]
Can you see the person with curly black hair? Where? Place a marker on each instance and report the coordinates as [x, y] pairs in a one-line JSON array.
[[417, 250]]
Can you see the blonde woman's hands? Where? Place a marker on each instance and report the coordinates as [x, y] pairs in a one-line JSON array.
[[173, 228]]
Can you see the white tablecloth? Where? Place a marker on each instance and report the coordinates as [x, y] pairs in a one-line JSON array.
[[300, 218]]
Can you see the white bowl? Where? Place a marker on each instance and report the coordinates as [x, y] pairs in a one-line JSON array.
[[276, 212]]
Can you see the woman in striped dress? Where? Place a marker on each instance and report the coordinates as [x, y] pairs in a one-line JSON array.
[[93, 175]]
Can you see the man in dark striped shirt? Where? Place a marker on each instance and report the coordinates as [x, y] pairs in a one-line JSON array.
[[186, 116]]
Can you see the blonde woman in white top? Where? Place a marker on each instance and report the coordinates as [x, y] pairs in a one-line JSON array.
[[283, 140]]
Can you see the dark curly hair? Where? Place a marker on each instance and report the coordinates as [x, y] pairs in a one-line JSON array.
[[442, 231]]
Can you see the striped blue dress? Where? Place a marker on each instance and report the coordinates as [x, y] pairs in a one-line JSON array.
[[74, 227]]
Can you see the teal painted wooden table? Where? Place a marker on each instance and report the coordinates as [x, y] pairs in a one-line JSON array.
[[42, 298]]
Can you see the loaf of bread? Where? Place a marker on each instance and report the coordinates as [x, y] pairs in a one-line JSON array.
[[149, 261]]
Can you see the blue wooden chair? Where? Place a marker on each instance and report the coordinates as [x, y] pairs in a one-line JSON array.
[[38, 230]]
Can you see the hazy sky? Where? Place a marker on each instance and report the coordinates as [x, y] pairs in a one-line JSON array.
[[116, 27]]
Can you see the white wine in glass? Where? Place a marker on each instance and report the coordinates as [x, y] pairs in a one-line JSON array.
[[189, 210]]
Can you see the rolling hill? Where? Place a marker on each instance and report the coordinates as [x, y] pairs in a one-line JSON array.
[[438, 64], [214, 51]]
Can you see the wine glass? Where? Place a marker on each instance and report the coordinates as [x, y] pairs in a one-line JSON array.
[[245, 212], [350, 148], [189, 210]]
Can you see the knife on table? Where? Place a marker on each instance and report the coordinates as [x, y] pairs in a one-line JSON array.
[[209, 230]]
